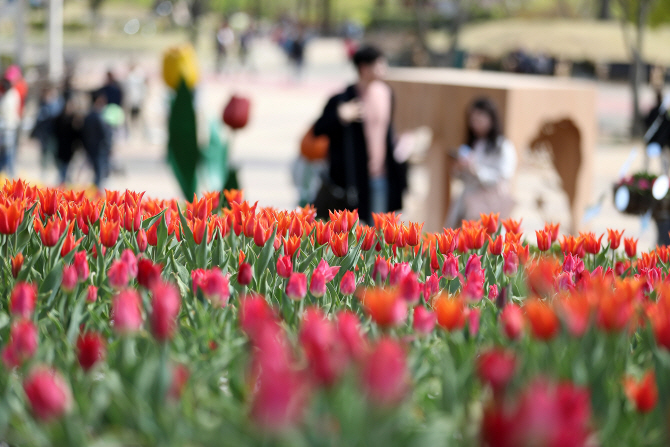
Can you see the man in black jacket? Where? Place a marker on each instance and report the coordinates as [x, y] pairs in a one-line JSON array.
[[97, 138], [358, 123]]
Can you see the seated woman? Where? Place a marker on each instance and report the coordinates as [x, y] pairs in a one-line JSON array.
[[485, 163]]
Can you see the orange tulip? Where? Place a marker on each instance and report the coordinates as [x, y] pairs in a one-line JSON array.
[[543, 240], [630, 245], [573, 246], [414, 234], [543, 321], [292, 245], [296, 227], [11, 216], [552, 230], [109, 232], [614, 238], [323, 231], [385, 307], [51, 232], [198, 227], [262, 233], [490, 222], [369, 236], [17, 263], [389, 230], [592, 245], [496, 246], [474, 237], [451, 312], [446, 242], [512, 226], [339, 243], [233, 195], [49, 201]]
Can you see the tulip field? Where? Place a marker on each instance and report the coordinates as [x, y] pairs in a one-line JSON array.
[[128, 321]]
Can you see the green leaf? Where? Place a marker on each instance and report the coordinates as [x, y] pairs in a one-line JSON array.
[[149, 221], [265, 255]]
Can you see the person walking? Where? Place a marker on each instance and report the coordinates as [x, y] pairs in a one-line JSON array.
[[358, 123], [50, 106], [10, 121], [97, 139]]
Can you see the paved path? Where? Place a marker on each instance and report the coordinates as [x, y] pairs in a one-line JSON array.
[[283, 107]]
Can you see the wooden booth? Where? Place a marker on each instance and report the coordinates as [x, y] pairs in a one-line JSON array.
[[536, 111]]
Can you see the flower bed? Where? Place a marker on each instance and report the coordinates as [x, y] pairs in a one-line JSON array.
[[130, 321]]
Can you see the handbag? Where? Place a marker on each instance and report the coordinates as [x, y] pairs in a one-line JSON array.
[[332, 197], [314, 147]]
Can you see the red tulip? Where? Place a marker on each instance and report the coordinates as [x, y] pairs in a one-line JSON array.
[[450, 267], [317, 285], [22, 343], [245, 274], [126, 312], [296, 287], [644, 394], [118, 274], [348, 283], [92, 294], [180, 375], [496, 367], [22, 300], [216, 287], [80, 263], [384, 373], [51, 232], [148, 273], [424, 320], [380, 270], [129, 258], [326, 354], [255, 313], [48, 394], [142, 241], [614, 238], [543, 240], [69, 281], [349, 331], [236, 112], [512, 321], [165, 304], [284, 266], [90, 349], [511, 264]]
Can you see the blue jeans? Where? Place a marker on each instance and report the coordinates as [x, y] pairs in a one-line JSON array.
[[379, 194]]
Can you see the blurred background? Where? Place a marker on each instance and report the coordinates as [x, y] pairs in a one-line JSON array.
[[289, 56]]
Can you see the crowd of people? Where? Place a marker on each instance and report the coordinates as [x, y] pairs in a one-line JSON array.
[[69, 120]]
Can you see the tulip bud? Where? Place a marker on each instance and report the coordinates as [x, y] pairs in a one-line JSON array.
[[69, 281], [450, 267], [496, 367], [284, 266], [512, 321], [22, 343], [142, 241], [118, 275], [473, 321], [92, 294], [511, 265], [348, 283], [126, 312], [48, 394], [17, 263], [80, 263], [90, 349], [474, 264], [129, 258], [317, 285], [380, 270], [493, 292], [149, 273], [409, 288], [384, 373], [22, 300], [424, 320], [245, 274], [165, 304], [296, 287], [216, 287]]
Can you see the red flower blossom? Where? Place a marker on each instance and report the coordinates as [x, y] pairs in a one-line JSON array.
[[245, 274], [384, 373], [22, 300], [11, 216], [424, 320], [348, 283], [543, 321], [496, 368], [126, 312], [339, 244], [109, 232], [385, 307], [165, 304], [614, 238], [630, 246], [643, 394], [512, 321], [90, 349], [48, 394], [451, 312], [296, 287]]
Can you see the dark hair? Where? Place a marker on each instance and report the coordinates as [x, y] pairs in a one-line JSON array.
[[485, 105], [366, 55]]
